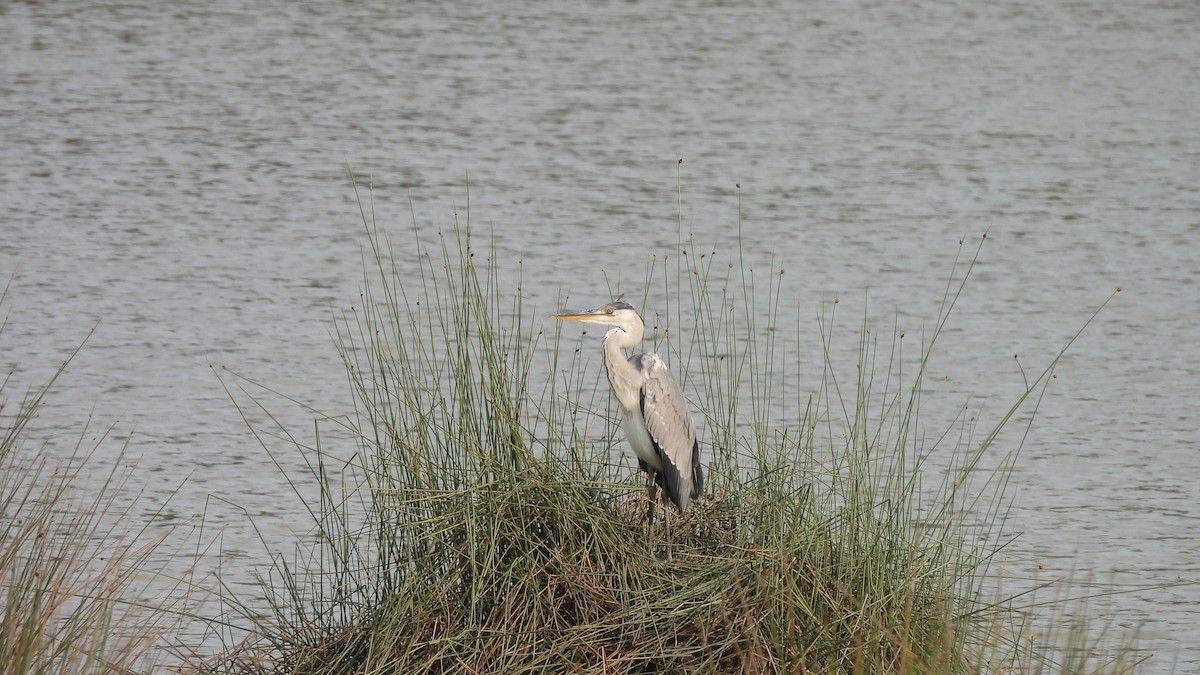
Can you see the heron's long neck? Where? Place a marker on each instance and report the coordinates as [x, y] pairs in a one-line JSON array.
[[624, 377]]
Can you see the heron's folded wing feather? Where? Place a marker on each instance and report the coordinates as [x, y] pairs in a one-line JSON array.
[[669, 421]]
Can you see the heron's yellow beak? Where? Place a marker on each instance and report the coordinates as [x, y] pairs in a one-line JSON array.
[[597, 315]]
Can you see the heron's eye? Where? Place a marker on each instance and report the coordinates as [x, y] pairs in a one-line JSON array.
[[608, 310]]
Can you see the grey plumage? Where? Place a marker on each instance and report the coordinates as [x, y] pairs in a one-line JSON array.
[[658, 422], [665, 413]]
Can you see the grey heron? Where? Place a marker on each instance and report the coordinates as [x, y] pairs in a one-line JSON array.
[[658, 422]]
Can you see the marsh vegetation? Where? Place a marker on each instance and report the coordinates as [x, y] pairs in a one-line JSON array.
[[479, 514]]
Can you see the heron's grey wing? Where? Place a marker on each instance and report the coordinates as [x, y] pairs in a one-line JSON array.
[[669, 421]]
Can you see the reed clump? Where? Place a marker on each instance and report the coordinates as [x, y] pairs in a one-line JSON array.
[[81, 589], [484, 520], [533, 573]]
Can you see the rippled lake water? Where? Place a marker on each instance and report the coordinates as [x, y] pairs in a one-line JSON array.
[[175, 177]]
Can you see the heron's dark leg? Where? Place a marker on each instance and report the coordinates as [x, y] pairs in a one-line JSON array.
[[652, 502], [667, 524]]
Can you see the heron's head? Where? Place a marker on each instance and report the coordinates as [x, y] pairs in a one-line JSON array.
[[617, 313]]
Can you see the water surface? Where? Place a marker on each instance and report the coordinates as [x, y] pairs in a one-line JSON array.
[[175, 176]]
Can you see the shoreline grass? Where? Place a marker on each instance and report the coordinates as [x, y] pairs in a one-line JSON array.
[[478, 511], [482, 523], [82, 591]]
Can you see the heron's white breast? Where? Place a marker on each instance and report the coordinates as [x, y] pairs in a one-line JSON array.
[[639, 438]]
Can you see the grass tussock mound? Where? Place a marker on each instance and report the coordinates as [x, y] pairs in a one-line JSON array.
[[537, 571], [481, 522]]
